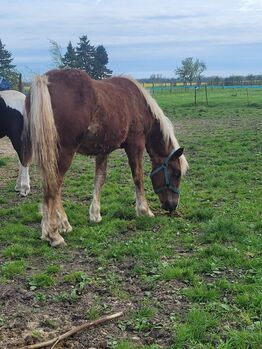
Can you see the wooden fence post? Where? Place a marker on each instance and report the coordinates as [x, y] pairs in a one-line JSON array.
[[206, 95], [247, 97]]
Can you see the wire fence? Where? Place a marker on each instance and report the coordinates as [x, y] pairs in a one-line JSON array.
[[234, 96]]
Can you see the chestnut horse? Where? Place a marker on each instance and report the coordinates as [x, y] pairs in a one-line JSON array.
[[12, 105], [71, 113]]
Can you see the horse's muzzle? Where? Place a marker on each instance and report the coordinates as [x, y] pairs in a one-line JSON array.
[[169, 206]]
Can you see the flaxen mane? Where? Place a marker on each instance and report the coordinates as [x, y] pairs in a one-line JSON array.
[[166, 125]]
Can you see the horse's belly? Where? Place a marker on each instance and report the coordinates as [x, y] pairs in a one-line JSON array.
[[91, 144]]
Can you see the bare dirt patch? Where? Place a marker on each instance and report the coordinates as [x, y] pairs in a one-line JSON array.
[[6, 149], [7, 152], [33, 316]]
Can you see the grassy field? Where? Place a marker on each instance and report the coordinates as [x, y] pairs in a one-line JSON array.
[[214, 97], [190, 280]]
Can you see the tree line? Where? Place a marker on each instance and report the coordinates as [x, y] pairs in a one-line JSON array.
[[190, 71], [250, 80], [85, 56], [94, 60]]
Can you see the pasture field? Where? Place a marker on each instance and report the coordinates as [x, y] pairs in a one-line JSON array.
[[188, 280]]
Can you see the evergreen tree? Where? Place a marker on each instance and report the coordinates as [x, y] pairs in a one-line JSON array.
[[85, 55], [70, 58], [101, 60], [6, 68]]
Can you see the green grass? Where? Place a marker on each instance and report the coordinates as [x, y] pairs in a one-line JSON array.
[[40, 280], [77, 278], [12, 269], [195, 330], [3, 162], [187, 281]]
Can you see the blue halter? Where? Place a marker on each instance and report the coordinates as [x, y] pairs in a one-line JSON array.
[[164, 167]]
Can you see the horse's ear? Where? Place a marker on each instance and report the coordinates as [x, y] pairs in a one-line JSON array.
[[178, 153]]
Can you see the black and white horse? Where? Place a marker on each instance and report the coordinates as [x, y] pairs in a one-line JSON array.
[[12, 106]]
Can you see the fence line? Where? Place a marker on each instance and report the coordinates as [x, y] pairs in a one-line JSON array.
[[210, 96]]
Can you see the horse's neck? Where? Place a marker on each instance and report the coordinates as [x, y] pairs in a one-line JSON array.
[[155, 143]]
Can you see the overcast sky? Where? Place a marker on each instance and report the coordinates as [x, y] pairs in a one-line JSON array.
[[142, 37]]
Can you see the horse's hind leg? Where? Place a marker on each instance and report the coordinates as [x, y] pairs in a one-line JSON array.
[[23, 181], [63, 224], [49, 223], [100, 176], [135, 157], [53, 212]]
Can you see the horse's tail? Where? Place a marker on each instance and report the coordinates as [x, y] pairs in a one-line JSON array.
[[166, 125], [43, 132]]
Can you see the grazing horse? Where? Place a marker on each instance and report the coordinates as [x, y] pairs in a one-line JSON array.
[[71, 113], [12, 104]]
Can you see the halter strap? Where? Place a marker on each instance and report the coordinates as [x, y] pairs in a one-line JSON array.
[[164, 167]]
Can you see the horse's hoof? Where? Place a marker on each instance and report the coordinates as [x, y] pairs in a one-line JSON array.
[[65, 228], [69, 228], [25, 192], [150, 213], [145, 212], [59, 242], [95, 219]]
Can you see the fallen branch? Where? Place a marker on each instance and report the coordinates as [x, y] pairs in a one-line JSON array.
[[74, 330]]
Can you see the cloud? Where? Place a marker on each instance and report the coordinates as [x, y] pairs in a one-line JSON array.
[[250, 5], [131, 31]]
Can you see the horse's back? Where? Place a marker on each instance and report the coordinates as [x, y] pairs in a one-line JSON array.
[[71, 93], [14, 99], [95, 116], [70, 82]]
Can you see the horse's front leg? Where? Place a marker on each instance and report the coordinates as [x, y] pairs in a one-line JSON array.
[[135, 158], [100, 176], [23, 181]]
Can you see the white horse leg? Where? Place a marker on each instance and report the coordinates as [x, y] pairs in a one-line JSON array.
[[18, 181], [142, 208], [100, 176], [23, 181]]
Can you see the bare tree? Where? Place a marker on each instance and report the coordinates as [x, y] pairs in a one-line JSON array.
[[190, 70]]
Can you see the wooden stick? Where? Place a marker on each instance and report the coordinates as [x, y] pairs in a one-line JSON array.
[[74, 330], [55, 343]]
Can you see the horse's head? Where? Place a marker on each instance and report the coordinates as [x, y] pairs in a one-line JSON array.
[[165, 177]]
